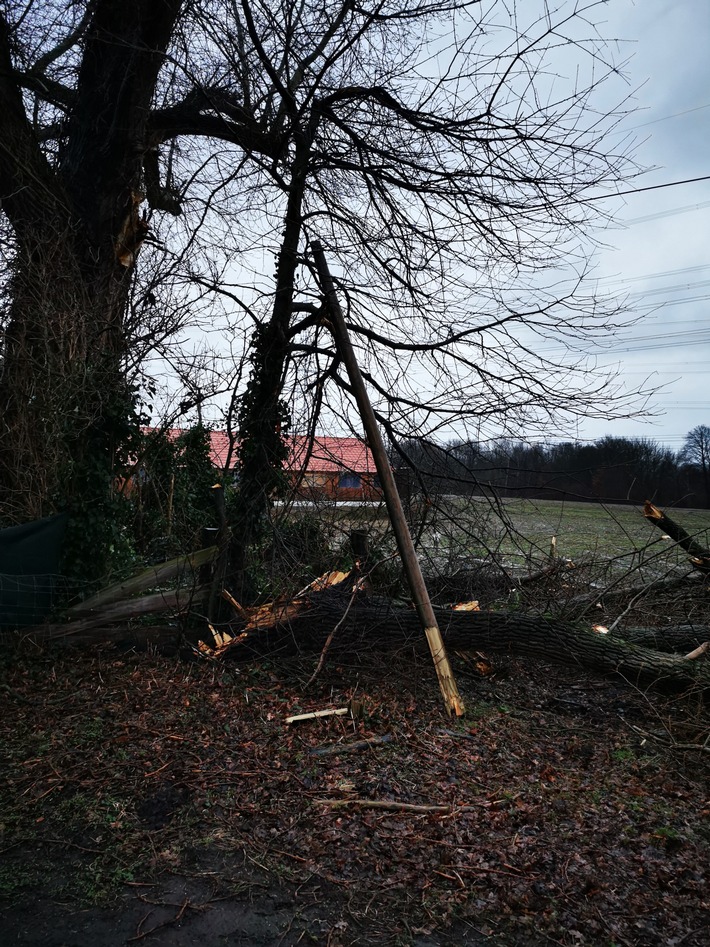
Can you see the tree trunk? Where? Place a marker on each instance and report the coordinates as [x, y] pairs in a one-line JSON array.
[[521, 634], [699, 555], [66, 405], [263, 416]]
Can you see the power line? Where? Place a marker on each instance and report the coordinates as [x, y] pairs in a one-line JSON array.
[[648, 276], [674, 288], [649, 187], [669, 303], [665, 118], [671, 212]]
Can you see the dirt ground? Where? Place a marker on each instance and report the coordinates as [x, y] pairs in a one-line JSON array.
[[149, 799]]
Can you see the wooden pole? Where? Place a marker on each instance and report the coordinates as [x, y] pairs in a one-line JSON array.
[[410, 561]]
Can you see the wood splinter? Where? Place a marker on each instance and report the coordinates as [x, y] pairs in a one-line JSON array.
[[317, 714], [698, 652]]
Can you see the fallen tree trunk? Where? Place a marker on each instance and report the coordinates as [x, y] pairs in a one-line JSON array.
[[378, 622], [699, 556], [678, 638], [172, 600]]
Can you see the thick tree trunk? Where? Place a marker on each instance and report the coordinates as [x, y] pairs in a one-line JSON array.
[[66, 406], [521, 634], [679, 638]]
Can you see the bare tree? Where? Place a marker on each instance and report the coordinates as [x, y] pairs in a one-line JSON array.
[[446, 170], [441, 151], [696, 453]]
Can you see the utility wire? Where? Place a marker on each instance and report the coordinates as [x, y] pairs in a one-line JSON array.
[[665, 118], [648, 276], [671, 212], [649, 187]]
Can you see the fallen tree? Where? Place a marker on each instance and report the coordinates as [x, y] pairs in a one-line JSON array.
[[661, 657], [338, 613], [670, 658], [370, 623]]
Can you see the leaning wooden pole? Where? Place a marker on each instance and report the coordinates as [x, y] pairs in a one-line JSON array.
[[412, 569]]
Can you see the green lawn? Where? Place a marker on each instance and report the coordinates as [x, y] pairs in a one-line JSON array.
[[615, 543]]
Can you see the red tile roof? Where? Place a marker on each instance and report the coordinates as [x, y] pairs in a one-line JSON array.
[[327, 454], [331, 454]]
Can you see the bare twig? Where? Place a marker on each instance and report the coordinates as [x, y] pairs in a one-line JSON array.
[[329, 639], [338, 748]]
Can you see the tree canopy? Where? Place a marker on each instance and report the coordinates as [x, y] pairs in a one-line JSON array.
[[156, 155]]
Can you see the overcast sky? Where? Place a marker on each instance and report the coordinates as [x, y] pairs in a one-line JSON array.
[[660, 250]]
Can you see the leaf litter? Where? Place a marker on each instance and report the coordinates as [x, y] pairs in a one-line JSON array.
[[561, 809]]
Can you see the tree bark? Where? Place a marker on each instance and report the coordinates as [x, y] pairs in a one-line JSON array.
[[379, 623], [699, 556], [263, 416], [66, 405]]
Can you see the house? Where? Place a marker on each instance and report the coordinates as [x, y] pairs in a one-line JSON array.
[[337, 468]]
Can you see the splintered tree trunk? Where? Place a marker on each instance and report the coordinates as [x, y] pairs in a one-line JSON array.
[[381, 625], [699, 555]]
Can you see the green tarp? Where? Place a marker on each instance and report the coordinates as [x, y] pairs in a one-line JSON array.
[[29, 570]]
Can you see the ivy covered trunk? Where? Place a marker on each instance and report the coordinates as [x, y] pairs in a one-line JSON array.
[[68, 412], [264, 416]]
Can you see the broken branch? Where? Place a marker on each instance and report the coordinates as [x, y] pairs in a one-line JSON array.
[[398, 806], [699, 556], [338, 748]]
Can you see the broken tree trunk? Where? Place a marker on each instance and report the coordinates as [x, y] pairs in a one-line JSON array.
[[678, 638], [381, 624], [699, 556]]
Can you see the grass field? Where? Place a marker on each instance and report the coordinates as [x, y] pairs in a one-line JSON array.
[[455, 532], [589, 529]]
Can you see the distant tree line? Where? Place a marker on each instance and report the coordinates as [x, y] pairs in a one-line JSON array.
[[614, 469]]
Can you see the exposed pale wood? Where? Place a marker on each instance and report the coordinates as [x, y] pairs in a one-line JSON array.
[[228, 597], [266, 616], [318, 714]]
